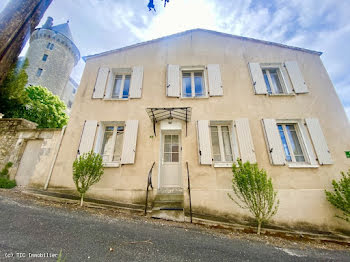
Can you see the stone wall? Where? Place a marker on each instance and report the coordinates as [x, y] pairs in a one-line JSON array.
[[15, 134]]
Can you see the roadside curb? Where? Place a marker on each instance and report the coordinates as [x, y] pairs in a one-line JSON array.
[[139, 210]]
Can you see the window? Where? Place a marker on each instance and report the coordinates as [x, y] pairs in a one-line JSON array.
[[291, 142], [112, 144], [221, 143], [121, 86], [171, 148], [45, 57], [274, 80], [39, 72], [50, 45], [193, 83]]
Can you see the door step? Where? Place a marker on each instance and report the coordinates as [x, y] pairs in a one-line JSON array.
[[169, 204]]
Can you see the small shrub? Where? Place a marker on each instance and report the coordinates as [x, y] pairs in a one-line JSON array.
[[254, 191], [7, 183], [5, 171], [340, 198], [87, 170]]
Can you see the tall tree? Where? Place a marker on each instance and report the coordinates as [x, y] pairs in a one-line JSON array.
[[17, 21], [12, 91]]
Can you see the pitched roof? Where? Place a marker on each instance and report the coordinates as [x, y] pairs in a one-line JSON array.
[[64, 30], [203, 30]]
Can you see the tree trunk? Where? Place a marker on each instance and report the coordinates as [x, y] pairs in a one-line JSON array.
[[82, 200], [259, 227]]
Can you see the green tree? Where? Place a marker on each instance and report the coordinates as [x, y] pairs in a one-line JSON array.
[[87, 170], [254, 191], [340, 198], [12, 91], [43, 108]]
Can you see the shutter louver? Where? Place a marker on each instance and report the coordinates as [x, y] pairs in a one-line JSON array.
[[245, 140], [129, 143], [173, 81], [273, 142], [204, 145], [100, 82], [296, 77], [319, 141], [258, 78], [215, 83], [136, 82], [87, 137]]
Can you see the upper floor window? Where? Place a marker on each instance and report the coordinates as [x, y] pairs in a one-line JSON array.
[[277, 78], [193, 83], [50, 46], [45, 57], [39, 72], [121, 86]]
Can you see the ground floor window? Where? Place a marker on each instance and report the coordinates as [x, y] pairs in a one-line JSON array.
[[292, 142], [221, 143], [112, 144]]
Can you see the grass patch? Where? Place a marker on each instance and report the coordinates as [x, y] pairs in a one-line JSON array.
[[7, 183]]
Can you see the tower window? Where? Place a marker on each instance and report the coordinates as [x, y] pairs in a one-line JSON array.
[[38, 73], [50, 45], [45, 57]]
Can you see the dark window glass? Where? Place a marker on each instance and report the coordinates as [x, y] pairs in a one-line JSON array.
[[45, 57], [39, 72]]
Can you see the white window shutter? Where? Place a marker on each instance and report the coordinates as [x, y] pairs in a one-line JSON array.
[[87, 136], [204, 145], [214, 77], [258, 78], [245, 140], [273, 142], [110, 85], [319, 141], [100, 82], [136, 82], [173, 81], [296, 77], [129, 143]]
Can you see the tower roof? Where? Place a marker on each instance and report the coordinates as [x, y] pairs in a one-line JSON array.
[[64, 30]]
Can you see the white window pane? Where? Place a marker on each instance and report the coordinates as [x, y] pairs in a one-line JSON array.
[[293, 137], [126, 86], [198, 84], [215, 143], [186, 85], [167, 157], [275, 81], [227, 143], [267, 82], [117, 86], [118, 143], [107, 146], [167, 148]]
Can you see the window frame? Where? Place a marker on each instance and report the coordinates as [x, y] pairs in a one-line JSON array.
[[298, 125], [282, 77], [112, 81], [100, 140], [233, 143], [192, 70]]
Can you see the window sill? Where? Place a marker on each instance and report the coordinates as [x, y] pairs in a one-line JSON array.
[[291, 94], [111, 164], [194, 97], [223, 164], [113, 99], [306, 165]]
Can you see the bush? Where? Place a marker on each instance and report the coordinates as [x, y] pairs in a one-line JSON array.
[[5, 171], [340, 198], [87, 170], [7, 183], [254, 192]]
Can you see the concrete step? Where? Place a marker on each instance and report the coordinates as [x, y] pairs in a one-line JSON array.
[[173, 215], [169, 197], [168, 204]]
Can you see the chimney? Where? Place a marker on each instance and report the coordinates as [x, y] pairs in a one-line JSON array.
[[49, 22]]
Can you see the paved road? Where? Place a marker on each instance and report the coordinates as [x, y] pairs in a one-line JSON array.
[[26, 227]]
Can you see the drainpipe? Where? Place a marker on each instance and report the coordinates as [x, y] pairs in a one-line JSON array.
[[54, 160]]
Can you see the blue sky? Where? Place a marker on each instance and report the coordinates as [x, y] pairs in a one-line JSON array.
[[321, 25]]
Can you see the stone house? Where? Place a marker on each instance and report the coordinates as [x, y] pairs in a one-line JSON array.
[[193, 103]]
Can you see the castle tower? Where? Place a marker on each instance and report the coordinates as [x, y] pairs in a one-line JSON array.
[[52, 55]]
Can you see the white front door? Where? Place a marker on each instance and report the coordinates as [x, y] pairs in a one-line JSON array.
[[170, 169]]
